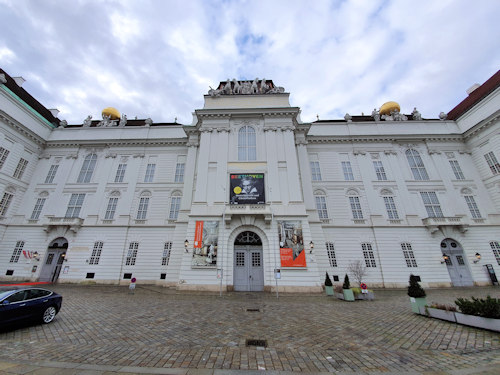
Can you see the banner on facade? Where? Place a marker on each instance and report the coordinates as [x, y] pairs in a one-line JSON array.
[[246, 189], [291, 242], [206, 240]]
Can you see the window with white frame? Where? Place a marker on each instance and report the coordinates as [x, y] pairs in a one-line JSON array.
[[37, 210], [179, 172], [368, 255], [167, 248], [150, 173], [457, 170], [346, 168], [142, 211], [416, 165], [132, 254], [390, 206], [330, 250], [379, 170], [5, 203], [111, 208], [492, 162], [408, 254], [431, 203], [471, 203], [52, 173], [321, 205], [3, 156], [315, 171], [75, 205], [120, 172], [17, 252], [21, 167], [247, 144], [96, 252], [495, 247], [175, 204], [87, 168], [357, 212]]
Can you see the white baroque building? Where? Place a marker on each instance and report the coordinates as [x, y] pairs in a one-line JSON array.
[[248, 197]]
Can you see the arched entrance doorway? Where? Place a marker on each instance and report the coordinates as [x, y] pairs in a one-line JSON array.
[[54, 260], [456, 263], [248, 263]]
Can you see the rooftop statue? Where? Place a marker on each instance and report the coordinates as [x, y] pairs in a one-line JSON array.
[[87, 121], [235, 87], [416, 115]]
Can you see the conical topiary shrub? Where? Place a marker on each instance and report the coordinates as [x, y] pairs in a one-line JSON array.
[[348, 294], [414, 289], [347, 284], [328, 285], [328, 282]]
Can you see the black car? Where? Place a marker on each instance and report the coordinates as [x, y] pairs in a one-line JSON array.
[[28, 303]]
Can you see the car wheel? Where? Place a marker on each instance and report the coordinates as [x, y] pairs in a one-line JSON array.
[[49, 314]]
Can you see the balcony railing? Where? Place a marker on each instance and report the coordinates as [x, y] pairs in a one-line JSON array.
[[433, 224]]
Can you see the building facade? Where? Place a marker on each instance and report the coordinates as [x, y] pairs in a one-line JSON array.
[[248, 197]]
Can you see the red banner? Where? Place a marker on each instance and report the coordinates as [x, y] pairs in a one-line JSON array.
[[198, 235], [286, 256]]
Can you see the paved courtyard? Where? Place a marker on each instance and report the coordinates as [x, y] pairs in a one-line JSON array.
[[104, 328]]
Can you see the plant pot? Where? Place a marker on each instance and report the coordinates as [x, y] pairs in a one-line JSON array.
[[348, 295], [416, 303], [441, 314], [478, 321], [329, 290], [339, 295]]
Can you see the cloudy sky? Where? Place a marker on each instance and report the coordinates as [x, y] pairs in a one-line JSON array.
[[158, 58]]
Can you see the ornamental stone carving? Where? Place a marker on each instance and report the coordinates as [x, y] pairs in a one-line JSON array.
[[123, 120], [148, 121], [254, 87], [416, 115], [63, 124], [443, 116], [376, 114], [87, 121]]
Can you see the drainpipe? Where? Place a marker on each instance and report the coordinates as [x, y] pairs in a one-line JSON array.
[[378, 257]]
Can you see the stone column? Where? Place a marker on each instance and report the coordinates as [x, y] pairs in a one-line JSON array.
[[200, 194]]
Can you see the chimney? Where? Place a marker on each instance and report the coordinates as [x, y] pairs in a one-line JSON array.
[[19, 80], [472, 88], [54, 111]]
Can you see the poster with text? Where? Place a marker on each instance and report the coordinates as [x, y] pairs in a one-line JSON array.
[[246, 189], [291, 242], [206, 239]]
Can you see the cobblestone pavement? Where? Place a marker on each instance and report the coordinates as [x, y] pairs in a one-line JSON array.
[[104, 329]]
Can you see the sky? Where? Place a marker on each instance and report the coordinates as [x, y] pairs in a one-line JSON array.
[[157, 59]]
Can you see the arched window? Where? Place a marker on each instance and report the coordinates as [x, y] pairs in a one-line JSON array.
[[175, 205], [142, 210], [416, 165], [321, 206], [247, 149], [87, 168]]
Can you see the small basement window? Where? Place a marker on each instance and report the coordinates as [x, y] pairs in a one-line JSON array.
[[163, 276], [9, 273], [90, 275], [335, 277], [127, 276]]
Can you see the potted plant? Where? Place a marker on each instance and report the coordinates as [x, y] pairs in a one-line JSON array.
[[480, 312], [417, 295], [328, 285], [441, 311], [346, 289]]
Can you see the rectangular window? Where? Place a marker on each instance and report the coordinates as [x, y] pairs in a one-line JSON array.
[[390, 206], [379, 170], [52, 173], [346, 167], [408, 254], [175, 204], [492, 162], [416, 165], [17, 252], [457, 170], [35, 215], [357, 213], [431, 203], [75, 205], [150, 173], [21, 166], [143, 208], [179, 172], [3, 156], [87, 169], [472, 206], [96, 252], [110, 210], [330, 250], [120, 172], [368, 254], [321, 206], [315, 171], [167, 247], [5, 203], [132, 254], [495, 247]]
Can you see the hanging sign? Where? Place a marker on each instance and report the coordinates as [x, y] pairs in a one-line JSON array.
[[247, 189]]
